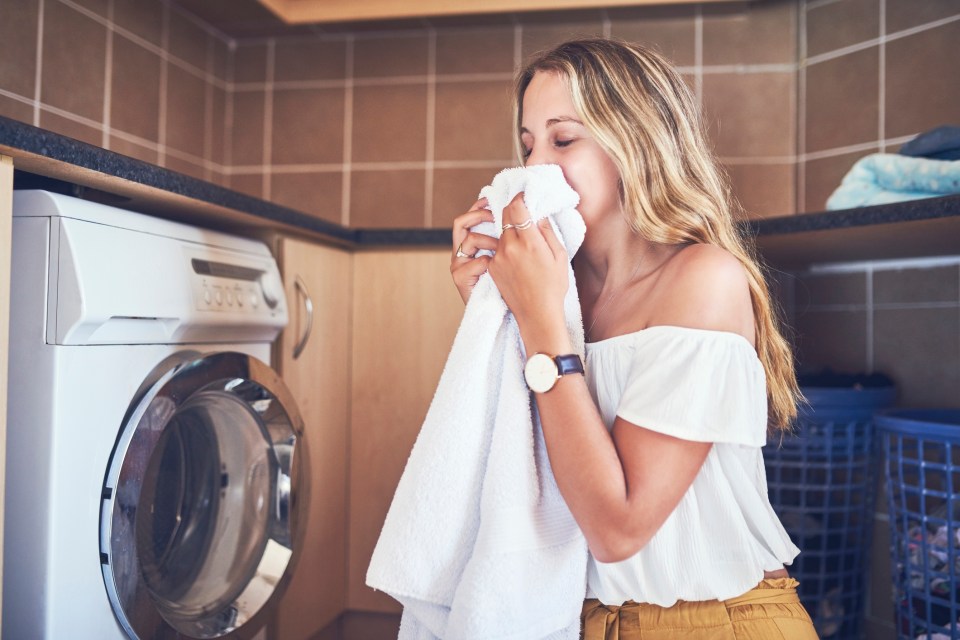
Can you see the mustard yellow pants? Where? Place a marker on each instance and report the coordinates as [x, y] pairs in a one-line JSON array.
[[771, 611]]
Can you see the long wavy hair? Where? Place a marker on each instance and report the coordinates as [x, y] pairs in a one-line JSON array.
[[644, 116]]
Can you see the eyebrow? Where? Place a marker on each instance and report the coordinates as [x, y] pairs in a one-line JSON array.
[[553, 121]]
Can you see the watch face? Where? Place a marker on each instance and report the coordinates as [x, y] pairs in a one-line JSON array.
[[540, 372]]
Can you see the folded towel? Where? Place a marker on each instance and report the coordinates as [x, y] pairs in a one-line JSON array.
[[478, 542], [881, 178]]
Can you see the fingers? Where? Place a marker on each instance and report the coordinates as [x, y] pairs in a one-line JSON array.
[[472, 243], [556, 247], [462, 223]]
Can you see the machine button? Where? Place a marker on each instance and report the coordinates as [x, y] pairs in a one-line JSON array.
[[230, 298], [219, 297], [254, 300], [206, 295], [239, 295]]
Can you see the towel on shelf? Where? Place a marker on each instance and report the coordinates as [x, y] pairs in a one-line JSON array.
[[478, 543], [881, 178]]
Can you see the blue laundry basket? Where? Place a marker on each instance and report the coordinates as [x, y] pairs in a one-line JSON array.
[[821, 484], [921, 451]]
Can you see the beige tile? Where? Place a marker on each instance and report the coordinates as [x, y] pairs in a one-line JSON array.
[[812, 290], [389, 123], [670, 30], [904, 14], [133, 150], [73, 82], [250, 62], [934, 284], [187, 40], [920, 350], [135, 99], [70, 128], [387, 56], [218, 131], [750, 114], [474, 121], [185, 167], [97, 6], [750, 33], [834, 339], [455, 191], [480, 50], [387, 199], [823, 176], [309, 60], [764, 190], [918, 101], [842, 101], [246, 138], [836, 25], [18, 33], [140, 18], [307, 126], [16, 110], [543, 32], [186, 111], [318, 194], [250, 184]]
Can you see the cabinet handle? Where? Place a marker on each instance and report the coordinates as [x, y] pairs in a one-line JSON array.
[[308, 305]]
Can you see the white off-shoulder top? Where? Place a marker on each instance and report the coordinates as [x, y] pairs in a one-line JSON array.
[[705, 386]]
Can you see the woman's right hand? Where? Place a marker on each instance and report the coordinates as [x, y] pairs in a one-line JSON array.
[[467, 270]]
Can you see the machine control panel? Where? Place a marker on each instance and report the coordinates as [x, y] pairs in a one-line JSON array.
[[221, 284]]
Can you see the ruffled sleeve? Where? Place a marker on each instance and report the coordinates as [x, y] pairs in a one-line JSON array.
[[694, 384]]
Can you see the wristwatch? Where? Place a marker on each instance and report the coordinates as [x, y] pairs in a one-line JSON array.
[[542, 371]]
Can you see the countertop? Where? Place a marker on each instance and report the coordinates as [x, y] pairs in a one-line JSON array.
[[914, 228]]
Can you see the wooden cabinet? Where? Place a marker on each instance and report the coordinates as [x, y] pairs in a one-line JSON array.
[[405, 314], [318, 276]]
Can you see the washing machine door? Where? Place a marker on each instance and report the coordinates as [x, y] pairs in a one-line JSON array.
[[199, 525]]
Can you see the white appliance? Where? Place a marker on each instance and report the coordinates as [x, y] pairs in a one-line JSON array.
[[155, 464]]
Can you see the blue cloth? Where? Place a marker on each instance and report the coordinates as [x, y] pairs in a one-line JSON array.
[[942, 143], [882, 178]]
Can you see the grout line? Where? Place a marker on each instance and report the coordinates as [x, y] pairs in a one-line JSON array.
[[162, 111], [208, 116], [884, 265], [517, 45], [801, 175], [431, 126], [869, 306], [266, 181], [816, 4], [606, 23], [38, 76], [107, 80], [347, 181], [882, 83]]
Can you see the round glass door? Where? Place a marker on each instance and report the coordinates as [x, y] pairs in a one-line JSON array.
[[198, 521]]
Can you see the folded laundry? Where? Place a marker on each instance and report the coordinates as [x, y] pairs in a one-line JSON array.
[[942, 143], [882, 178], [478, 543]]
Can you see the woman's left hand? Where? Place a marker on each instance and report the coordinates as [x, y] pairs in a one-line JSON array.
[[530, 270]]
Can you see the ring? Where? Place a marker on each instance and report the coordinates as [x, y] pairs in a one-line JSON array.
[[521, 226], [461, 254]]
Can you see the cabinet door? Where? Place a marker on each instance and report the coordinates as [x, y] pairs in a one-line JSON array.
[[319, 380]]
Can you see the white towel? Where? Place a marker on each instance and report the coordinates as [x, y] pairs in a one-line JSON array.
[[478, 543]]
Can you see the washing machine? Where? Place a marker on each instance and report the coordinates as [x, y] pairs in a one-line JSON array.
[[155, 463]]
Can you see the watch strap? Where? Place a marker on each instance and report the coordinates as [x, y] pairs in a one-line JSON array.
[[569, 363]]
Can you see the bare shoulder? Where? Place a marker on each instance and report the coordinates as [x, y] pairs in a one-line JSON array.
[[705, 287]]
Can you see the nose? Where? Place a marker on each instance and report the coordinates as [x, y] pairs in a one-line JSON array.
[[540, 154]]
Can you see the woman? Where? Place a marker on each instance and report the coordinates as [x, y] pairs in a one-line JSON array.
[[656, 450]]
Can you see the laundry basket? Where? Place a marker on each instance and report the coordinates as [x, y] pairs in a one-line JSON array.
[[821, 484], [921, 451]]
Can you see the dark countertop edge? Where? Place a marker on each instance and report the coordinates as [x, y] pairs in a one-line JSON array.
[[30, 139], [906, 211]]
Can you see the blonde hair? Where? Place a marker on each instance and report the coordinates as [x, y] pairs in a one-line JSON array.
[[643, 115]]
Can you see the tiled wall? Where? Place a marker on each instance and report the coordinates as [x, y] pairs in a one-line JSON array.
[[873, 74], [139, 77], [402, 129], [901, 318]]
